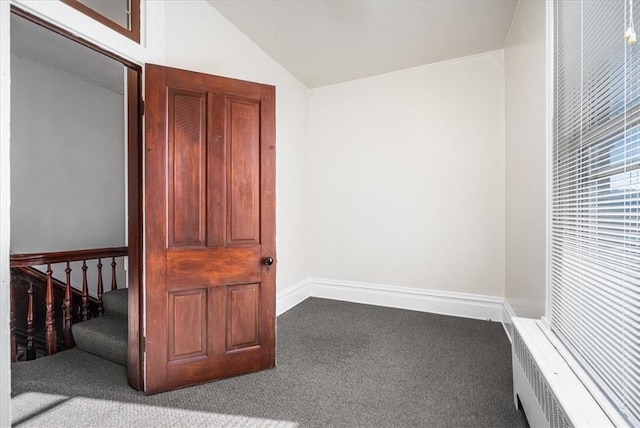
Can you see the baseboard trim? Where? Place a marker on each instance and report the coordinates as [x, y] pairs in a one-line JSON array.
[[507, 316], [439, 302], [475, 306], [292, 296]]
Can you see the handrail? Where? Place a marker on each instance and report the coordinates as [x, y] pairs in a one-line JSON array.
[[36, 259]]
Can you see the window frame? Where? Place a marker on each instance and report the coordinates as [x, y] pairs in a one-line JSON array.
[[593, 383], [133, 33]]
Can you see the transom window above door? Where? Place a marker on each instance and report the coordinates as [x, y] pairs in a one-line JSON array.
[[122, 16]]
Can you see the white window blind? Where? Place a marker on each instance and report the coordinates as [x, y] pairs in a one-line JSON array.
[[595, 238]]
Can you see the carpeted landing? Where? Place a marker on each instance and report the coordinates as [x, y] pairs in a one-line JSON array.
[[339, 364]]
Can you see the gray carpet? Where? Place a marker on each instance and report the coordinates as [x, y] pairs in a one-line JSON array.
[[116, 302], [339, 364], [105, 336]]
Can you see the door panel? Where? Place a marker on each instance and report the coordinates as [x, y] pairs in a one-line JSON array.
[[243, 316], [210, 223], [244, 171], [188, 330], [187, 140], [213, 267]]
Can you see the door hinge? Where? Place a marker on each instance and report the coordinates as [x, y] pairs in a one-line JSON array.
[[141, 107], [143, 344]]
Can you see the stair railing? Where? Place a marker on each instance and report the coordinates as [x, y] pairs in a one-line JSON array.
[[48, 259]]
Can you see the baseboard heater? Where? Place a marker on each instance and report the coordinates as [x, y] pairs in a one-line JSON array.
[[544, 384]]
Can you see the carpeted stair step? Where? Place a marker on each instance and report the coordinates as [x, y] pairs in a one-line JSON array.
[[104, 336], [116, 303]]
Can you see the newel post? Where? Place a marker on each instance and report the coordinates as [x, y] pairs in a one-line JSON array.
[[31, 349], [100, 289], [51, 335], [68, 311], [14, 344], [114, 280], [85, 292]]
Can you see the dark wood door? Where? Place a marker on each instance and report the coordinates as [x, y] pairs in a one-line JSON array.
[[209, 228]]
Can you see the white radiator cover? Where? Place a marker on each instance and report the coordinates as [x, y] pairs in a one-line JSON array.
[[548, 389]]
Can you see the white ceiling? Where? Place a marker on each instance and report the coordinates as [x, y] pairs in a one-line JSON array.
[[38, 44], [323, 42]]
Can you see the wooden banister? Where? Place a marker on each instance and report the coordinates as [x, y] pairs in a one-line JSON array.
[[12, 327], [85, 292], [114, 280], [48, 259], [31, 350], [100, 288], [51, 334], [68, 310], [37, 259]]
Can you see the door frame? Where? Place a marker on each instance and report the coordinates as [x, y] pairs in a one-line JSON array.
[[134, 102]]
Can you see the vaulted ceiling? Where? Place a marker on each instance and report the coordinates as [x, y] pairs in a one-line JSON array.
[[36, 43], [323, 42]]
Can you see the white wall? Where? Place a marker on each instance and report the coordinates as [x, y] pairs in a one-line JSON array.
[[67, 159], [525, 101], [407, 178], [199, 38]]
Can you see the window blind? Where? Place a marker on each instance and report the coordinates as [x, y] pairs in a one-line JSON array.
[[595, 236]]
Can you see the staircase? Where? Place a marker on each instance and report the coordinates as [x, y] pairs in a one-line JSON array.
[[50, 315], [106, 336]]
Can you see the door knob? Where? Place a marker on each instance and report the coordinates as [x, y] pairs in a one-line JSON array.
[[268, 261]]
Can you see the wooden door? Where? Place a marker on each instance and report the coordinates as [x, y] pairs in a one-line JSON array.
[[209, 228]]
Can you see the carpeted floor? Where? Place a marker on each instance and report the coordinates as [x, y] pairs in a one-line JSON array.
[[339, 364]]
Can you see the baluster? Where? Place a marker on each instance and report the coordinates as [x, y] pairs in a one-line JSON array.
[[51, 335], [14, 344], [31, 350], [100, 288], [114, 281], [85, 292], [68, 311]]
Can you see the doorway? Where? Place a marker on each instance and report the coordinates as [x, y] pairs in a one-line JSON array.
[[77, 153]]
